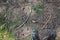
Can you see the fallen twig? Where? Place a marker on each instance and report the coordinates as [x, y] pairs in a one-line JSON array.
[[46, 22]]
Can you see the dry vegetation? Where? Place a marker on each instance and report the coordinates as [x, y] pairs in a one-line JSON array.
[[19, 17]]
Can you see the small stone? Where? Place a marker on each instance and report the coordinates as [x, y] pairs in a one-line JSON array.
[[33, 21]]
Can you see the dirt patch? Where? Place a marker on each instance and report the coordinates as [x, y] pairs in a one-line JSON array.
[[2, 9], [26, 31], [58, 34], [29, 10]]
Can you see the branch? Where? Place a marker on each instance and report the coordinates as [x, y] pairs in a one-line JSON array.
[[22, 24], [46, 22], [45, 37], [24, 21]]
